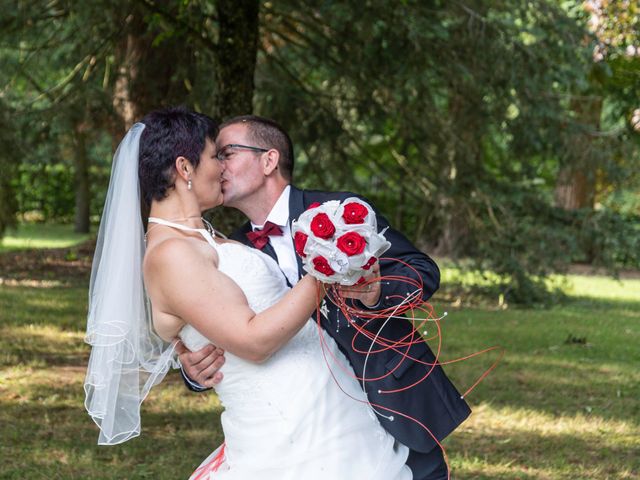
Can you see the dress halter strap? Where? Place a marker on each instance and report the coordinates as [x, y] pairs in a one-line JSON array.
[[208, 236]]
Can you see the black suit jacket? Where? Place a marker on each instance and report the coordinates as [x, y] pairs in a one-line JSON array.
[[434, 402]]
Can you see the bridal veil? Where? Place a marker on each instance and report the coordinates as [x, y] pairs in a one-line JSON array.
[[127, 357]]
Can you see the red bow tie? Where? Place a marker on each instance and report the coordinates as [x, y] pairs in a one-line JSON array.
[[260, 238]]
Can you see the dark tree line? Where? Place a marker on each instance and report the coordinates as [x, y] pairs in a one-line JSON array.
[[501, 131]]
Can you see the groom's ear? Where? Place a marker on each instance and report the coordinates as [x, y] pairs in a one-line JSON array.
[[270, 161]]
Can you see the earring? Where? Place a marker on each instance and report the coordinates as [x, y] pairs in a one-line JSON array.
[[189, 185]]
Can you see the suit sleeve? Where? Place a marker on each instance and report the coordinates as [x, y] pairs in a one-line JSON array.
[[192, 384], [422, 268]]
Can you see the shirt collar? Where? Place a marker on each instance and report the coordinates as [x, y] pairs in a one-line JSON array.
[[279, 214]]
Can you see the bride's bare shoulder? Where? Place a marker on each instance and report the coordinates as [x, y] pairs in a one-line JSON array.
[[178, 252]]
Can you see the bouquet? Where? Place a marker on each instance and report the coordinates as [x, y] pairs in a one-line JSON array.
[[339, 241]]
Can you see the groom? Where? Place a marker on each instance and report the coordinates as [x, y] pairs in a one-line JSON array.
[[258, 157]]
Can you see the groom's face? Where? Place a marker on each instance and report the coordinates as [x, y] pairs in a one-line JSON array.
[[243, 175]]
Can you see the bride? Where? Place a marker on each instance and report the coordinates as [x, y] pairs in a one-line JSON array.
[[286, 414]]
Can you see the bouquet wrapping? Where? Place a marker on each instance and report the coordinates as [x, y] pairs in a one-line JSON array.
[[338, 241]]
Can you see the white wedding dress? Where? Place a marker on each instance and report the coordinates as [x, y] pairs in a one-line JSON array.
[[287, 418]]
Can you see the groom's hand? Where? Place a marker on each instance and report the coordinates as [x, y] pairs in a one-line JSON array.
[[369, 292], [202, 366]]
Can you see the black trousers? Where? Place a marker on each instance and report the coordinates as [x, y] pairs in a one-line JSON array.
[[427, 466]]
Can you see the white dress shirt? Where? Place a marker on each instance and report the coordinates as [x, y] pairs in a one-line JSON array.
[[283, 245]]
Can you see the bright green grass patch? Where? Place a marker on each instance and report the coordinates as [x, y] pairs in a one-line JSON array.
[[603, 288], [563, 403], [461, 282], [41, 235]]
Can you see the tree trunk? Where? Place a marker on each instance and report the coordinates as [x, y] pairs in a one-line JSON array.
[[8, 167], [8, 204], [576, 182], [457, 177], [574, 189], [154, 74], [83, 196], [151, 74], [235, 59]]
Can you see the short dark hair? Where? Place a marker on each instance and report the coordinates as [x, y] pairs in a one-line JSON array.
[[170, 133], [268, 134]]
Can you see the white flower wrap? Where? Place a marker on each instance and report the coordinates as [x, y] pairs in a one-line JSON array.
[[347, 269]]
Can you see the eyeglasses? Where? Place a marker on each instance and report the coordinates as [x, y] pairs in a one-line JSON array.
[[224, 152]]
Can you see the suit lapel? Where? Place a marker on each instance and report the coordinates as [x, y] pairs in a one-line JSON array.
[[240, 234], [296, 203], [296, 207], [268, 249]]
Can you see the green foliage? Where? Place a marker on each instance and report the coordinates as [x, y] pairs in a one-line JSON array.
[[522, 240], [457, 119], [607, 238], [76, 72], [47, 189], [518, 237]]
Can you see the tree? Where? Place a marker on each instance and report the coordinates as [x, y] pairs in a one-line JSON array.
[[7, 165], [460, 120], [470, 101], [100, 66], [586, 172]]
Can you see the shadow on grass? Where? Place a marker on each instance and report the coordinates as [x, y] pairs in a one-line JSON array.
[[71, 266], [42, 347], [56, 439], [559, 388], [173, 444], [549, 456], [60, 307], [48, 434]]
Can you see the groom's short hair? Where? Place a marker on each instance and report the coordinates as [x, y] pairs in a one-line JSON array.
[[267, 133]]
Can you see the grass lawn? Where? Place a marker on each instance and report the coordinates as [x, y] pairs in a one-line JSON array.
[[37, 235], [563, 403]]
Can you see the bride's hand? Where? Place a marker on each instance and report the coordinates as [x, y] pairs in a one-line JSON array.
[[202, 366]]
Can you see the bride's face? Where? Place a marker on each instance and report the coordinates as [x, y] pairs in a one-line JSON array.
[[206, 178]]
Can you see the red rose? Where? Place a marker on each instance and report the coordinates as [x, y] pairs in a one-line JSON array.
[[313, 205], [351, 243], [369, 263], [322, 265], [300, 240], [322, 227], [354, 213]]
